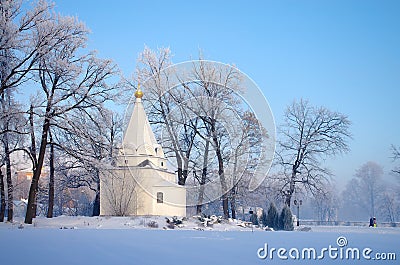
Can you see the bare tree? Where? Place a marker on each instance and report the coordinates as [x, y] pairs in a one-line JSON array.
[[19, 49], [369, 176], [389, 207], [198, 109], [203, 179], [396, 156], [362, 196], [151, 72], [11, 135], [308, 136], [68, 80], [352, 205], [120, 191], [246, 156], [213, 98], [16, 60], [88, 144], [326, 204]]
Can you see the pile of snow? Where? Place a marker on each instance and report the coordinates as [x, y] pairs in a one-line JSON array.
[[134, 222], [212, 223]]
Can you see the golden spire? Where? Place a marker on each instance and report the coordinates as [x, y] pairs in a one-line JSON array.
[[138, 93]]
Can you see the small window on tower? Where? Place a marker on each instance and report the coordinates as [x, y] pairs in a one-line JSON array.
[[162, 164], [160, 197]]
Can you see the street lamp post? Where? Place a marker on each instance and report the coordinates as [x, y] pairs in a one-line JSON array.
[[298, 203]]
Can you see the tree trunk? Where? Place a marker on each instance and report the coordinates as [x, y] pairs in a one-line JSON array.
[[10, 187], [33, 148], [289, 193], [203, 179], [199, 208], [224, 187], [31, 208], [185, 173], [59, 200], [225, 206], [182, 169], [2, 197], [96, 203], [51, 180], [200, 198], [6, 143], [233, 203], [372, 201], [181, 179], [235, 187], [186, 158]]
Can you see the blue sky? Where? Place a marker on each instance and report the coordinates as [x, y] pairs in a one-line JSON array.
[[344, 55]]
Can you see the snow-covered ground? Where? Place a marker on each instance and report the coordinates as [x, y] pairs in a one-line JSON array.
[[128, 240]]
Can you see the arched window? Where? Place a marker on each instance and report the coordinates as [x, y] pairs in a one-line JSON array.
[[162, 163], [160, 197]]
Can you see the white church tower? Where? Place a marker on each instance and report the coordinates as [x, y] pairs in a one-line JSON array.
[[140, 183]]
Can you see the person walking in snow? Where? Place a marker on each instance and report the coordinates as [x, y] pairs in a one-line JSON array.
[[371, 222]]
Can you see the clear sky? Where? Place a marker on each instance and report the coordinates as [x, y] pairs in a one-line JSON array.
[[341, 54]]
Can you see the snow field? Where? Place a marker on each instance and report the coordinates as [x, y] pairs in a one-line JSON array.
[[125, 240]]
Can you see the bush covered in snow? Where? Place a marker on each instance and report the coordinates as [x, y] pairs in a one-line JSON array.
[[152, 224]]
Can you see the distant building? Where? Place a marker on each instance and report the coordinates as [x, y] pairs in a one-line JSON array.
[[22, 182], [140, 183]]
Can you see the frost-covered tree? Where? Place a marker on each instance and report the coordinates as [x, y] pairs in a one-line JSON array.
[[389, 207], [12, 131], [353, 207], [213, 99], [69, 79], [17, 56], [326, 204], [308, 136], [362, 193], [20, 48], [88, 145], [203, 151], [396, 156], [121, 192], [246, 155], [369, 176], [151, 72], [204, 125]]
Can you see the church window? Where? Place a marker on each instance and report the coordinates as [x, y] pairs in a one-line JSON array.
[[160, 197], [162, 163]]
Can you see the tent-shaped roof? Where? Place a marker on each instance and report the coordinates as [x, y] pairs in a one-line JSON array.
[[139, 138]]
